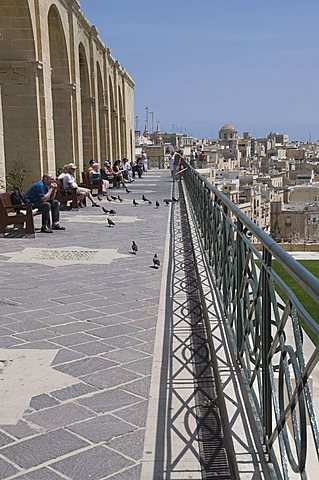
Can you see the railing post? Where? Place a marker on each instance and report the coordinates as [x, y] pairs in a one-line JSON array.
[[225, 259], [239, 273], [266, 344]]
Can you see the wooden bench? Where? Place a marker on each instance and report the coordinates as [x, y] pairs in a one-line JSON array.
[[95, 185], [12, 215], [65, 195]]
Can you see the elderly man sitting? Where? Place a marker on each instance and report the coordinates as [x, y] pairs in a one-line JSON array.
[[41, 195], [69, 182]]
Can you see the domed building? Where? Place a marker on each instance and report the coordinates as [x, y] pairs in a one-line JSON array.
[[227, 133], [228, 142]]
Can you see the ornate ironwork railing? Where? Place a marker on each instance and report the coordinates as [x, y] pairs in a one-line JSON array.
[[267, 328]]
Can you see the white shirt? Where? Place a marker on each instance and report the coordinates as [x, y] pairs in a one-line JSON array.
[[68, 180], [171, 161]]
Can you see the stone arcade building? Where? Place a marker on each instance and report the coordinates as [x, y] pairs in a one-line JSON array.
[[63, 97]]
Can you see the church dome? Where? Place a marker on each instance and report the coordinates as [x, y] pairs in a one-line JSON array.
[[228, 127]]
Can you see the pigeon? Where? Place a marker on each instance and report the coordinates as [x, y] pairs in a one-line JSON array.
[[135, 203], [149, 202], [167, 202], [127, 190], [110, 222], [145, 199], [109, 199], [174, 199], [99, 198], [156, 261], [113, 198], [112, 212], [105, 211], [157, 204], [134, 248], [120, 199]]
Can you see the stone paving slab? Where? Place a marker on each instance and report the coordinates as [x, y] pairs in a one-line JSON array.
[[100, 318]]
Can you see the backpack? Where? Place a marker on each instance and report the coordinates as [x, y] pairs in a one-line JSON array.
[[16, 197]]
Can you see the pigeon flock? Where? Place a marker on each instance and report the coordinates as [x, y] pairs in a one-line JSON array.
[[112, 212]]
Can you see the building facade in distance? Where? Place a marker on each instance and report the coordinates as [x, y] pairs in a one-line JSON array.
[[63, 97]]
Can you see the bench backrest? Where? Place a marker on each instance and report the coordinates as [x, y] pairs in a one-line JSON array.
[[5, 201]]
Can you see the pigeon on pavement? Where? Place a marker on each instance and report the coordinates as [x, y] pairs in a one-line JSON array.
[[105, 211], [156, 261], [112, 212], [134, 248], [120, 199], [110, 222], [135, 203], [127, 190]]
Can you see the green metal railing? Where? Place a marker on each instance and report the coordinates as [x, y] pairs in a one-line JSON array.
[[267, 329]]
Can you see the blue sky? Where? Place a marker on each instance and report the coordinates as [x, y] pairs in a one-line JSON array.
[[199, 64]]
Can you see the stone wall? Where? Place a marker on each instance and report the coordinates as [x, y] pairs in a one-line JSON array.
[[64, 97]]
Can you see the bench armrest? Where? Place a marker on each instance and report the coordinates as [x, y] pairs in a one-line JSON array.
[[21, 205]]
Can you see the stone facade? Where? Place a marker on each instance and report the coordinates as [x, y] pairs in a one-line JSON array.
[[63, 97]]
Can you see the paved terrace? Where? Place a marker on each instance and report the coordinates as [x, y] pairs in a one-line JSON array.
[[85, 393]]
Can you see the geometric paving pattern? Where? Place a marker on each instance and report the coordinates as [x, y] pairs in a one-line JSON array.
[[103, 219], [59, 257]]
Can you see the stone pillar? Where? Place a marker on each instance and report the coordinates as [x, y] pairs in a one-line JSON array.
[[75, 99], [2, 157], [62, 114], [21, 117], [92, 66]]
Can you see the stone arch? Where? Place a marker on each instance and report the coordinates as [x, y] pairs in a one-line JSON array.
[[86, 106], [61, 89], [122, 119], [17, 38], [102, 115], [114, 126], [19, 79]]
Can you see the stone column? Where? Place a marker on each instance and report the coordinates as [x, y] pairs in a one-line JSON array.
[[2, 157], [21, 117]]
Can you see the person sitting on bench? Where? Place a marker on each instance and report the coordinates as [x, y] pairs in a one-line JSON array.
[[69, 182], [41, 195], [95, 177]]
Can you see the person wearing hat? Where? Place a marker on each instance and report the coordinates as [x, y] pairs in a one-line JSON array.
[[69, 182]]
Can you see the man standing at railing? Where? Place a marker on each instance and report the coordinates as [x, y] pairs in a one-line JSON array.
[[174, 162]]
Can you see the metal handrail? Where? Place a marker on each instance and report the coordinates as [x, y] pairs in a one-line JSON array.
[[260, 321]]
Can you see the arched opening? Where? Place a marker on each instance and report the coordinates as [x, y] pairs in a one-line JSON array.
[[61, 91], [102, 115], [86, 107], [123, 139], [114, 127], [19, 71]]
